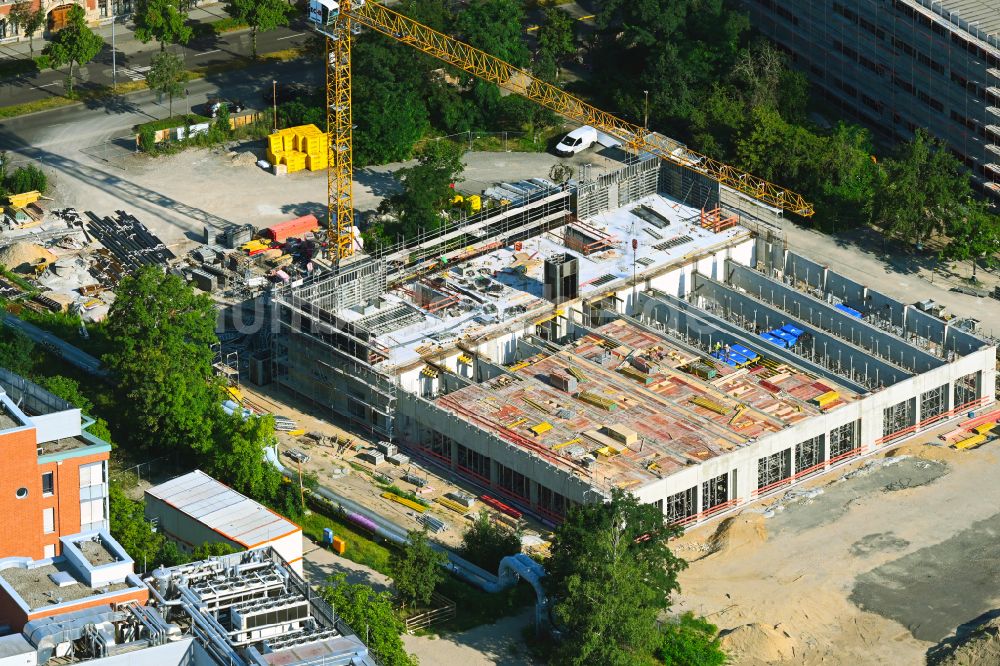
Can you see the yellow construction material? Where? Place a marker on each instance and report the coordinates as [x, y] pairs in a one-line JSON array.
[[475, 203], [296, 433], [568, 442], [416, 506], [25, 198], [255, 246], [702, 401], [970, 442], [317, 162], [541, 428], [428, 371], [607, 451], [984, 428], [598, 400], [519, 422], [452, 504], [537, 405], [580, 377], [637, 375], [466, 359], [236, 394], [825, 399], [738, 414]]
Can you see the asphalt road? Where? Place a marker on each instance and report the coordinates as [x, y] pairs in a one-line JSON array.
[[132, 60]]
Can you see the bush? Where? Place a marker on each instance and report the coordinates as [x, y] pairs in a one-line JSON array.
[[691, 641], [147, 140], [26, 179], [485, 543]]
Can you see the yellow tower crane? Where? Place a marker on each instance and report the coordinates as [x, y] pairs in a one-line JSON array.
[[340, 21]]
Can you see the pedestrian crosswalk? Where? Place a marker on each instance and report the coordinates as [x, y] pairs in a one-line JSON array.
[[135, 73]]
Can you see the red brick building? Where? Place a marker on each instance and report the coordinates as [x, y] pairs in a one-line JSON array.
[[56, 473], [56, 12]]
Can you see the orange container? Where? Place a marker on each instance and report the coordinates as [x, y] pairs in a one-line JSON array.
[[339, 545]]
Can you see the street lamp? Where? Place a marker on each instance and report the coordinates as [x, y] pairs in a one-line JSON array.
[[114, 59], [274, 101], [645, 122]]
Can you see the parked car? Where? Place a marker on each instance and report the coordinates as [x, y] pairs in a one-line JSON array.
[[297, 456], [577, 141], [213, 105]]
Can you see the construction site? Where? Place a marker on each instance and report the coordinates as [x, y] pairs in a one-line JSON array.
[[609, 336]]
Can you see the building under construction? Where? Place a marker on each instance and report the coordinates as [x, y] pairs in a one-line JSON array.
[[648, 330]]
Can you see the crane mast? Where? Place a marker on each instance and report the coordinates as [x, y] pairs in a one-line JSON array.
[[339, 20]]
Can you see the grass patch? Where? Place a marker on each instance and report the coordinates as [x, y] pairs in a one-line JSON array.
[[11, 276], [46, 104], [362, 547], [18, 67], [216, 28]]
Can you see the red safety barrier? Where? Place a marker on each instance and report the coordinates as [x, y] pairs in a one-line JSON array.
[[500, 506]]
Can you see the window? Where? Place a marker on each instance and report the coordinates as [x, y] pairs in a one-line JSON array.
[[48, 484], [50, 551], [92, 480], [92, 515], [21, 492], [49, 520]]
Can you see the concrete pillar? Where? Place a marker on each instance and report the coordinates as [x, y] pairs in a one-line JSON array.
[[533, 492]]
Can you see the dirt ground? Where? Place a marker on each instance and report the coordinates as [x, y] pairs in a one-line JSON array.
[[874, 566], [333, 468]]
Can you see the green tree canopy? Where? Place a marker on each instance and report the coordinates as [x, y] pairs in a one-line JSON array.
[[167, 76], [131, 529], [161, 334], [27, 178], [922, 187], [28, 20], [260, 15], [691, 641], [426, 188], [371, 615], [74, 45], [611, 574], [17, 351], [556, 38], [69, 390], [973, 235], [161, 20], [211, 549], [415, 569], [485, 542], [238, 455]]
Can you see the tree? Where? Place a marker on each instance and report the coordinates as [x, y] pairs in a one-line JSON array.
[[76, 44], [485, 542], [973, 234], [131, 529], [259, 15], [426, 188], [238, 455], [28, 20], [371, 615], [27, 178], [161, 20], [161, 334], [17, 351], [920, 189], [556, 38], [212, 549], [415, 569], [611, 574], [691, 641], [167, 76]]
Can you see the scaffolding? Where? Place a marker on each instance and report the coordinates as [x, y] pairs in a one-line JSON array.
[[715, 492], [966, 389], [809, 454], [844, 439], [773, 469], [898, 417], [681, 505], [934, 402]]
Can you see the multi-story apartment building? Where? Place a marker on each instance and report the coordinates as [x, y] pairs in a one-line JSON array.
[[55, 472], [897, 65]]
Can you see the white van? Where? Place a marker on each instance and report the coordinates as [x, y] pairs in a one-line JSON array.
[[577, 141]]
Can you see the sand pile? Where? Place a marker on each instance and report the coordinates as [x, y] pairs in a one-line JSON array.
[[759, 643], [741, 532], [980, 648], [21, 256], [928, 452]]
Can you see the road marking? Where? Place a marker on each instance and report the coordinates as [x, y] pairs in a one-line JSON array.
[[136, 73], [586, 18], [54, 83], [298, 34], [207, 52]]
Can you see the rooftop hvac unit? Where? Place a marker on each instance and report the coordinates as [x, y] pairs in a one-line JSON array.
[[288, 613]]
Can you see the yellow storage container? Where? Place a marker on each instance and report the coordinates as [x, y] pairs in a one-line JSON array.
[[339, 545], [316, 162], [289, 141], [276, 142], [312, 144]]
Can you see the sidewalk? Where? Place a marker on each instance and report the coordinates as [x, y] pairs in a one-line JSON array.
[[124, 39]]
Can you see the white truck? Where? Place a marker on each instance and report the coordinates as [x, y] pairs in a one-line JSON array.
[[583, 138]]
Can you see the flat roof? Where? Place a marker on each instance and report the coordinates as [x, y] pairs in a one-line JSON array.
[[37, 589], [639, 411], [484, 294], [222, 509], [984, 14]]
